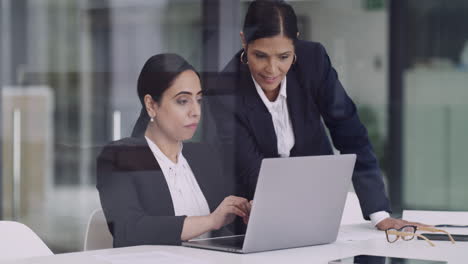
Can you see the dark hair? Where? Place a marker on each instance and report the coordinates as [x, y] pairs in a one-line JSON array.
[[156, 76], [269, 18]]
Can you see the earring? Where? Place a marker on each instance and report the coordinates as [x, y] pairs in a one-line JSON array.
[[242, 56], [295, 59], [152, 119]]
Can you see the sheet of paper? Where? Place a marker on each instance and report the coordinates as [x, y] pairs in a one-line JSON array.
[[436, 217], [152, 257], [439, 217], [454, 230], [359, 232]]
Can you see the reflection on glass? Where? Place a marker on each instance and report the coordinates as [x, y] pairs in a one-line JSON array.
[[368, 259], [68, 67], [434, 85]]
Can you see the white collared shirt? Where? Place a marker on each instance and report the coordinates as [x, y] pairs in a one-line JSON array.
[[186, 194], [377, 217], [280, 116], [285, 134]]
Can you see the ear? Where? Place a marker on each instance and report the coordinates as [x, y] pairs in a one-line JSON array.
[[150, 105], [244, 43]]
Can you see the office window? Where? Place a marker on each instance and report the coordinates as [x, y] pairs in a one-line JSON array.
[[69, 70], [355, 35], [68, 86], [435, 109]]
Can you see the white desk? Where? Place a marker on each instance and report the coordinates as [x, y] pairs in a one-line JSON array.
[[377, 245]]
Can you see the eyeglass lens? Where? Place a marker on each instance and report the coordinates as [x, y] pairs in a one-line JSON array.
[[408, 229]]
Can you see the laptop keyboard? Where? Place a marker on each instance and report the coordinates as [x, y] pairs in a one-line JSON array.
[[229, 242], [234, 242]]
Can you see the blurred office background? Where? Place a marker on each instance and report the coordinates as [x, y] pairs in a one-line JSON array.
[[68, 86]]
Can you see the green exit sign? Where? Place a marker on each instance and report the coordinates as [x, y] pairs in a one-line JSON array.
[[374, 4]]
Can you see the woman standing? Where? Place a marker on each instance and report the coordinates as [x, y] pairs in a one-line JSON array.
[[283, 88]]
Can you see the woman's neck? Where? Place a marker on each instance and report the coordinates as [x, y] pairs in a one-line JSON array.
[[271, 95], [168, 147]]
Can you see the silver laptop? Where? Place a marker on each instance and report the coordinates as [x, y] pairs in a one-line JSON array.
[[298, 202]]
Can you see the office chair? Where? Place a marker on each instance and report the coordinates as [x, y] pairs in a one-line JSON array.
[[19, 241], [97, 235]]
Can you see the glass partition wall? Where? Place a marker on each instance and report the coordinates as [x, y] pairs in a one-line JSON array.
[[68, 86], [69, 72], [355, 35], [435, 107]]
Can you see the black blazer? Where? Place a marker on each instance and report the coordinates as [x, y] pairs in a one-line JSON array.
[[135, 196], [313, 93]]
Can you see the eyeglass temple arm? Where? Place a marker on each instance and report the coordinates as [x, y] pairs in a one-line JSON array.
[[437, 230], [410, 234]]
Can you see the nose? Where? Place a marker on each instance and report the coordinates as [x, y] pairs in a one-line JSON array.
[[271, 67], [196, 110]]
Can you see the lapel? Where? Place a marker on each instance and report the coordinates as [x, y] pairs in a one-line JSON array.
[[206, 165], [203, 174], [296, 108], [139, 159], [257, 114], [260, 118]]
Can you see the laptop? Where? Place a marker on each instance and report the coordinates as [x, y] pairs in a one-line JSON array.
[[298, 202]]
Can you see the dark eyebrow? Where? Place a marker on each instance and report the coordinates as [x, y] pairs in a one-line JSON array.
[[259, 51], [280, 54], [184, 92]]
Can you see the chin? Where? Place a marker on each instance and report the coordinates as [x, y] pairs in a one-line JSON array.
[[187, 137], [271, 87]]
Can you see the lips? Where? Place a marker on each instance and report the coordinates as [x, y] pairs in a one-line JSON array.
[[269, 80], [192, 126]]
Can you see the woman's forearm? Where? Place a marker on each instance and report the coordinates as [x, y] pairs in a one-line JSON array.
[[195, 226]]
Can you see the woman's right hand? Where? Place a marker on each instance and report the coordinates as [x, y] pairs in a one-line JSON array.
[[227, 210]]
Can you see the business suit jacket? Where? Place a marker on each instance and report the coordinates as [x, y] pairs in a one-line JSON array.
[[313, 93], [135, 196]]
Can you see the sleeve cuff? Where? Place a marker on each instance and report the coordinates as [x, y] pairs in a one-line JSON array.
[[377, 217]]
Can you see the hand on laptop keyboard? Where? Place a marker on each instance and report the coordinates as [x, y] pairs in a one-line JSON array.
[[226, 212]]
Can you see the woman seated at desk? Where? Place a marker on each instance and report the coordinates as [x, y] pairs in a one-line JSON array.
[[153, 188]]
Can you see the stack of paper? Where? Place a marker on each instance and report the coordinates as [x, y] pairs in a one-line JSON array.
[[439, 218]]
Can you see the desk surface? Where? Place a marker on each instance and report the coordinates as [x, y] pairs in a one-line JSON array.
[[314, 254]]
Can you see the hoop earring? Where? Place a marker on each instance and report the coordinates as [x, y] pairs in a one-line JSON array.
[[295, 59], [242, 56]]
